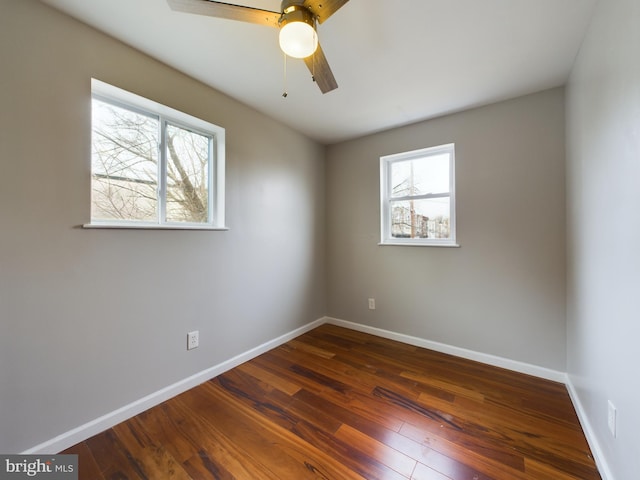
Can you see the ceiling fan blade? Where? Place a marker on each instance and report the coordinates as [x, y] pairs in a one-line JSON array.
[[226, 10], [323, 9], [319, 68]]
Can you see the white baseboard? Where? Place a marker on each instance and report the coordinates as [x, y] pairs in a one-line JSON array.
[[496, 361], [89, 429], [587, 428]]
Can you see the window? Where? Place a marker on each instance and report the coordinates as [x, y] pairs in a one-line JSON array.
[[152, 166], [417, 197]]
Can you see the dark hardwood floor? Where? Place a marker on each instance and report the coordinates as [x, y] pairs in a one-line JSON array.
[[339, 404]]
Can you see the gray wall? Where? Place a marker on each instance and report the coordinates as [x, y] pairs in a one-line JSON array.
[[94, 319], [503, 291], [603, 118]]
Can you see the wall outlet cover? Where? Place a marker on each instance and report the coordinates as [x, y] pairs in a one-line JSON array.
[[193, 340]]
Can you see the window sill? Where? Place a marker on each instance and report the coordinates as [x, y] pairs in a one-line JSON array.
[[415, 244], [152, 227]]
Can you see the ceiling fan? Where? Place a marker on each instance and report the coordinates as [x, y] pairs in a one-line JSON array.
[[296, 21]]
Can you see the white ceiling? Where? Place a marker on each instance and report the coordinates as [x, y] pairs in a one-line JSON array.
[[395, 61]]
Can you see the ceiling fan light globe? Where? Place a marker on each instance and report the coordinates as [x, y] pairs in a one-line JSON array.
[[298, 39]]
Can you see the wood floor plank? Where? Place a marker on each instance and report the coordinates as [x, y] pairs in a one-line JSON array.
[[422, 472], [474, 455], [201, 465], [274, 380], [166, 424], [86, 461], [214, 451], [543, 471], [541, 440], [450, 387], [448, 446], [320, 352], [315, 421], [341, 404], [152, 459], [112, 458], [394, 459], [273, 445]]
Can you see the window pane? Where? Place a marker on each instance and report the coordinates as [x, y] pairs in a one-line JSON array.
[[420, 176], [427, 218], [188, 155], [124, 166]]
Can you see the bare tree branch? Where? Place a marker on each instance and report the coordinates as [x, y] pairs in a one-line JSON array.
[[125, 167]]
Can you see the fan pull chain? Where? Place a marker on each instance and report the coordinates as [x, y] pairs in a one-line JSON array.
[[285, 94], [313, 58]]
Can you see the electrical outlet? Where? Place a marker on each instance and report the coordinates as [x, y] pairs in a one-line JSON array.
[[612, 413], [193, 340], [372, 304]]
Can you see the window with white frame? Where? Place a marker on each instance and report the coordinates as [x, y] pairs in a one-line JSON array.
[[153, 166], [417, 197]]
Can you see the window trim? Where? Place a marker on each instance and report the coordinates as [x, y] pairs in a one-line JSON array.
[[386, 162], [169, 116]]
